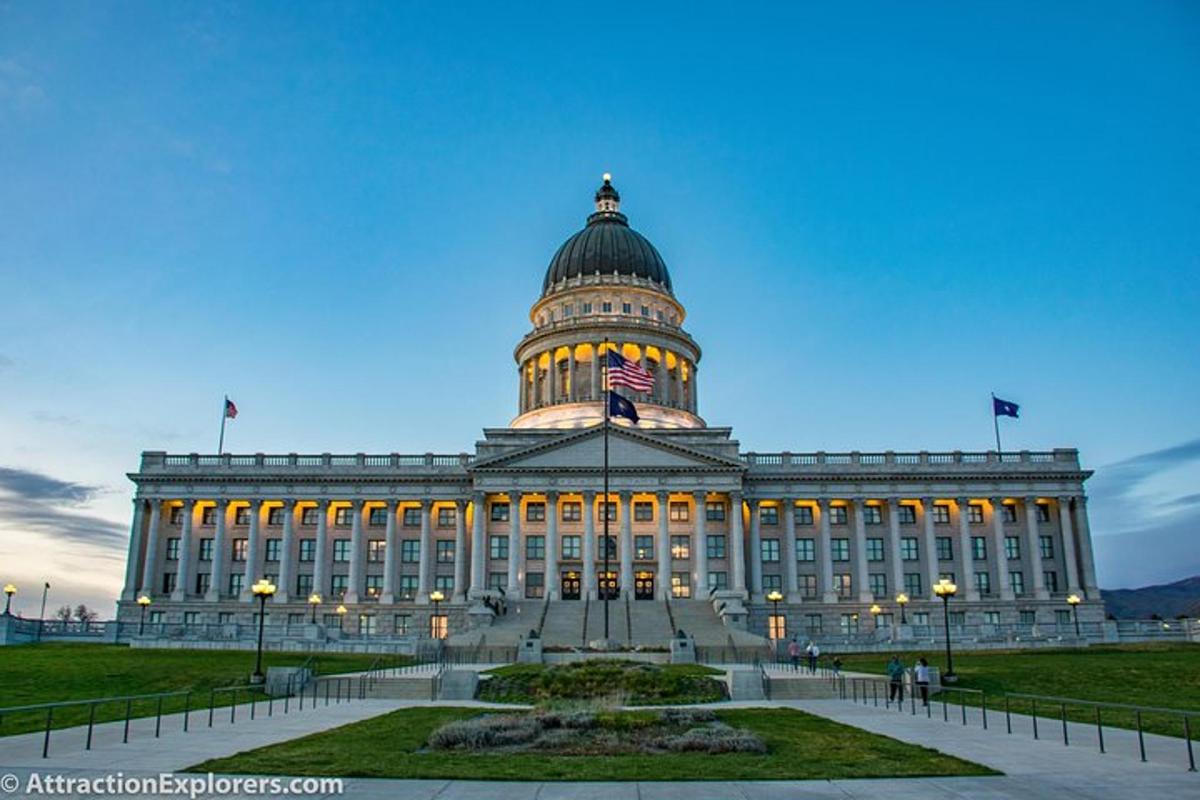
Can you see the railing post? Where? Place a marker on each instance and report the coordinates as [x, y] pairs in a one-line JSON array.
[[1187, 737], [1007, 716], [128, 710], [1035, 731], [212, 699], [46, 740], [1063, 706], [233, 707], [187, 707], [158, 717], [1100, 728], [1141, 738], [92, 722], [963, 706], [983, 703]]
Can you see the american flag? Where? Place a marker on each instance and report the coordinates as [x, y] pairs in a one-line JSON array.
[[623, 372], [230, 409]]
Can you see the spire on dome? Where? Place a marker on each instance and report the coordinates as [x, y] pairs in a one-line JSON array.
[[607, 199]]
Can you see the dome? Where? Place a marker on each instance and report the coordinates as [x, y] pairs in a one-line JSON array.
[[607, 245]]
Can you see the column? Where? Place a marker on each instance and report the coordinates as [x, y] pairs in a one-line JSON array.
[[862, 585], [187, 573], [217, 577], [828, 592], [321, 583], [460, 551], [354, 579], [425, 554], [387, 594], [664, 546], [572, 394], [134, 558], [700, 546], [513, 588], [478, 545], [931, 554], [550, 581], [1006, 592], [1087, 560], [893, 509], [755, 548], [737, 547], [693, 395], [646, 397], [150, 581], [679, 382], [252, 556], [287, 559], [552, 378], [966, 557], [1070, 563], [661, 382], [595, 366], [589, 544], [791, 582], [1033, 546], [626, 544], [523, 372]]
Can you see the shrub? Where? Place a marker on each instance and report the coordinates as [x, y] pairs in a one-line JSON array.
[[716, 738]]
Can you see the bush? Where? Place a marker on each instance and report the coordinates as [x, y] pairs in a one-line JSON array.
[[621, 681]]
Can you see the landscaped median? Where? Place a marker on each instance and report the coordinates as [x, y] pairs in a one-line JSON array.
[[621, 682], [589, 743]]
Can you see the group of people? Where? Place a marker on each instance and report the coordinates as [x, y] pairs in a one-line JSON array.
[[895, 669]]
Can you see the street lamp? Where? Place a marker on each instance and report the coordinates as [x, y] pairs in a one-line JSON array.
[[1073, 600], [144, 602], [902, 601], [262, 590], [946, 589], [314, 600], [775, 596], [341, 612], [875, 612], [437, 597], [9, 591]]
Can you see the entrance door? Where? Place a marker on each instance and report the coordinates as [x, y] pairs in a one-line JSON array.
[[643, 586], [570, 585], [609, 587]]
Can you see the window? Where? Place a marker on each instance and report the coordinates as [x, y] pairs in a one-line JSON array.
[[768, 515], [770, 551], [410, 551], [402, 624], [807, 585], [812, 623], [1027, 617], [885, 620], [202, 582], [991, 618], [877, 583], [840, 548], [445, 551], [941, 514], [444, 584], [535, 584], [645, 311], [1016, 582], [176, 515], [837, 515], [1010, 513], [447, 516], [236, 581], [679, 512], [718, 581], [643, 512], [343, 516], [341, 551], [945, 548], [238, 553], [173, 548], [309, 516], [715, 545], [407, 587], [681, 547], [410, 517], [535, 512], [206, 549], [975, 514], [874, 549], [499, 512], [804, 515], [910, 549], [912, 584], [626, 308], [572, 512], [377, 517], [948, 576], [572, 547], [983, 582], [587, 308], [208, 516], [643, 548], [376, 550], [497, 547], [772, 583], [226, 618], [958, 618], [1012, 548], [609, 510], [979, 548], [714, 511], [1043, 512], [681, 585], [272, 549], [241, 516], [849, 623], [304, 585], [568, 310], [908, 515], [535, 548], [1046, 546], [842, 584], [193, 617], [275, 516], [806, 550], [308, 550], [606, 308], [1050, 578], [374, 585], [612, 547], [872, 515], [1062, 617]]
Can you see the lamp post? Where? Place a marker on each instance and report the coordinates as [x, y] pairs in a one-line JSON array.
[[144, 602], [9, 591], [875, 612], [902, 601], [262, 590], [341, 612], [314, 600], [437, 597], [774, 596], [946, 589], [1073, 601]]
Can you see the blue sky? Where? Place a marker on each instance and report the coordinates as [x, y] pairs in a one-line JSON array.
[[339, 214]]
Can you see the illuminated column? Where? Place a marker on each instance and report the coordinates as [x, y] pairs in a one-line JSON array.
[[860, 554], [552, 378], [664, 546], [626, 544], [595, 387], [425, 555], [589, 544], [287, 558], [966, 557], [692, 394], [478, 546], [524, 374], [737, 549], [134, 556], [186, 576], [700, 546], [791, 580], [150, 568], [828, 592], [252, 557], [572, 394], [1087, 560], [321, 583], [550, 580], [460, 551], [755, 548], [893, 510], [1033, 546], [388, 593], [660, 384], [645, 363], [354, 580], [1070, 564], [217, 576], [679, 381], [514, 544], [1006, 592], [931, 554]]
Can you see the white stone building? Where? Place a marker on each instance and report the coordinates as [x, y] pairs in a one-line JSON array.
[[693, 519]]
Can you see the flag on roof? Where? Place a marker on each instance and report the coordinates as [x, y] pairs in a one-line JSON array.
[[230, 409], [620, 407], [630, 374]]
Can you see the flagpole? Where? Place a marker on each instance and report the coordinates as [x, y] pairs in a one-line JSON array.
[[607, 402], [996, 423], [224, 414]]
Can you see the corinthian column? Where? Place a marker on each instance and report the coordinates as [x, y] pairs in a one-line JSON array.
[[791, 579], [217, 576], [1070, 564], [1087, 560], [1006, 592], [321, 583], [387, 593], [755, 548], [134, 556], [828, 592], [860, 553], [425, 554], [664, 547], [252, 556], [150, 568], [700, 545], [589, 544], [572, 393], [967, 558], [931, 553], [550, 580], [513, 589], [626, 544], [354, 580], [893, 509], [460, 551], [287, 557], [478, 545], [737, 547]]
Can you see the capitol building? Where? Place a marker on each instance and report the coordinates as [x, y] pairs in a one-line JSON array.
[[700, 532]]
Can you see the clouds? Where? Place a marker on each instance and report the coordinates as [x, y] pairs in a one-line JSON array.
[[41, 504], [18, 88]]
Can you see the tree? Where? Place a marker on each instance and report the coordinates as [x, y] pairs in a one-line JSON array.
[[85, 614], [63, 614]]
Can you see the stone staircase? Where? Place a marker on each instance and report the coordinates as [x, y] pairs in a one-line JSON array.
[[563, 624], [404, 687], [800, 687], [618, 624], [698, 620], [649, 623]]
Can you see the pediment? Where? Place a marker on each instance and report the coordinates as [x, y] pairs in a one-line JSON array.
[[627, 451]]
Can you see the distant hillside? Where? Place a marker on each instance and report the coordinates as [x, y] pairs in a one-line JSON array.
[[1167, 601]]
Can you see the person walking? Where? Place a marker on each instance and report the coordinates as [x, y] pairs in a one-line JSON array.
[[895, 673], [814, 654], [837, 666], [921, 673], [794, 654]]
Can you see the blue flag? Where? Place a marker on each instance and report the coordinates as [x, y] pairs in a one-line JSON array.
[[620, 407], [1003, 408]]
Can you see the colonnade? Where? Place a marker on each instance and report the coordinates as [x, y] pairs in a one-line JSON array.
[[572, 374]]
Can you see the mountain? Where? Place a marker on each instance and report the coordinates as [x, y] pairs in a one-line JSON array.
[[1167, 601]]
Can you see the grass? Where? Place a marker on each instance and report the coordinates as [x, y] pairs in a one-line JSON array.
[[800, 746], [49, 673], [1165, 675], [634, 683]]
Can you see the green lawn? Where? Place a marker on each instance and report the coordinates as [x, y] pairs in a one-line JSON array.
[[1166, 675], [47, 673], [801, 746], [629, 682]]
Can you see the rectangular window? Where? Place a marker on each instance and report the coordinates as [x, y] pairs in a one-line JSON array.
[[402, 624], [768, 515], [410, 517], [1062, 617], [376, 549], [804, 515], [309, 516], [341, 551], [407, 587], [681, 585], [241, 516], [958, 618], [1046, 546], [202, 582], [849, 623], [921, 618], [173, 548], [1027, 617], [991, 617], [176, 515], [499, 512], [377, 518], [626, 308], [718, 581], [535, 512], [572, 512], [410, 551], [910, 548], [447, 516], [1043, 512], [808, 585], [983, 583], [193, 617], [945, 548], [979, 548], [842, 584], [609, 509], [812, 623], [1010, 513], [714, 511], [772, 583], [445, 551], [1012, 548], [912, 584], [678, 512], [238, 553], [643, 512], [715, 545], [606, 308], [587, 308], [908, 515], [497, 547], [343, 517], [535, 584], [645, 311], [878, 584], [941, 515], [840, 549], [1050, 578], [806, 550], [373, 584], [837, 515], [975, 514], [236, 581], [770, 551], [1016, 582], [206, 549], [444, 584], [681, 547], [572, 547], [304, 585], [872, 515], [535, 548], [874, 549], [208, 516], [272, 548], [643, 548], [308, 550], [275, 516], [948, 576]]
